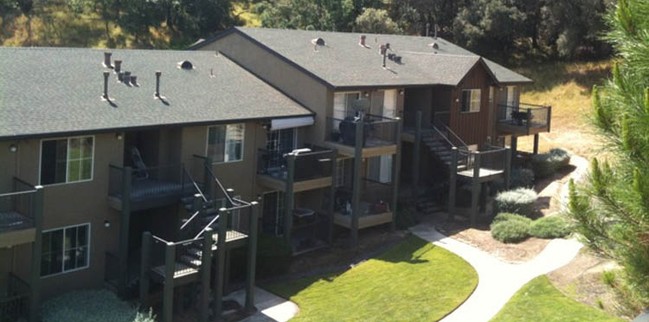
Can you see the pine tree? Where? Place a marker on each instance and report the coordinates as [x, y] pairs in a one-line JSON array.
[[611, 207]]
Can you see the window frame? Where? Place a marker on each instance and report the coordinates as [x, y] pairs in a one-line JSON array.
[[67, 138], [88, 225], [243, 142], [472, 99]]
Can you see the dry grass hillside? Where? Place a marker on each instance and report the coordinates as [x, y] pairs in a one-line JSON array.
[[567, 87]]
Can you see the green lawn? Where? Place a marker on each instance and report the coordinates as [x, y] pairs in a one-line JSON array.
[[538, 300], [413, 281]]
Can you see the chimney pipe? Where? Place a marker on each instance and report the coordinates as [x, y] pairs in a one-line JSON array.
[[120, 77], [133, 80], [361, 41], [157, 84], [105, 95], [118, 66], [107, 59], [127, 77]]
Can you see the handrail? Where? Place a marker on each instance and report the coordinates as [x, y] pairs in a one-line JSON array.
[[439, 124], [200, 233], [195, 184], [218, 182], [17, 193], [189, 220], [24, 182]]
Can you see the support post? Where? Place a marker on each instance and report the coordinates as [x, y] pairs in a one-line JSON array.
[[536, 144], [416, 158], [220, 261], [356, 185], [396, 175], [252, 258], [206, 270], [168, 291], [514, 146], [332, 195], [289, 197], [37, 246], [452, 183], [508, 168], [145, 266], [476, 186], [127, 177]]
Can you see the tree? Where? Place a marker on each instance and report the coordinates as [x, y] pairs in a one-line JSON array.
[[376, 21], [307, 14], [611, 208]]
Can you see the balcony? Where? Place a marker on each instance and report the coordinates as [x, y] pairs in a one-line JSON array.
[[523, 119], [378, 136], [14, 299], [309, 168], [485, 165], [19, 211], [147, 187], [374, 208]]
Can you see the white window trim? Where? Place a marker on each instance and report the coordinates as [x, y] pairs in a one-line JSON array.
[[472, 90], [333, 107], [89, 248], [92, 164], [243, 143]]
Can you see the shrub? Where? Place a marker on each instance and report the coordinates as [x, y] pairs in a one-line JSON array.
[[550, 227], [546, 164], [521, 178], [274, 256], [519, 201], [96, 305], [510, 231], [505, 216]]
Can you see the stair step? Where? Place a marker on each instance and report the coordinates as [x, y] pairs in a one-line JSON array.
[[187, 200], [191, 261], [211, 211], [195, 252]]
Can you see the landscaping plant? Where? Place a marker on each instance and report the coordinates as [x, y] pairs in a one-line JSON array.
[[550, 227], [511, 231], [96, 306], [546, 164], [519, 201]]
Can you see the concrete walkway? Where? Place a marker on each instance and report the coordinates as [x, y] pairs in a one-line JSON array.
[[270, 307], [497, 280]]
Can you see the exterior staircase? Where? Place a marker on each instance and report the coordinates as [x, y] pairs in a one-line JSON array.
[[441, 147]]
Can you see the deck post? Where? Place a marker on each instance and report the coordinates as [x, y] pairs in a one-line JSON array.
[[508, 167], [416, 156], [127, 177], [252, 258], [220, 261], [37, 246], [145, 266], [206, 271], [289, 197], [476, 186], [514, 146], [549, 107], [332, 195], [452, 184], [168, 291], [396, 172], [356, 181], [536, 144]]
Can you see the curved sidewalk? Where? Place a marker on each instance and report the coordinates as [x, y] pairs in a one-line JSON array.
[[497, 280]]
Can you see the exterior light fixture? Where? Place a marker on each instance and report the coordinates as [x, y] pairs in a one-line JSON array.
[[119, 136], [106, 223], [13, 148]]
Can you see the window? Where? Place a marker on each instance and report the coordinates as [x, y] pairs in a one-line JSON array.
[[225, 142], [65, 249], [344, 104], [470, 100], [66, 160]]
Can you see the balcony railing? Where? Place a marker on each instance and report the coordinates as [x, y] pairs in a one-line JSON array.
[[14, 299], [17, 208], [489, 158], [314, 164], [377, 131], [375, 198], [526, 116]]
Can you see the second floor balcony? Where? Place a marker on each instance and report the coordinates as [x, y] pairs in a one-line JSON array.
[[375, 135], [20, 211], [304, 169], [523, 119]]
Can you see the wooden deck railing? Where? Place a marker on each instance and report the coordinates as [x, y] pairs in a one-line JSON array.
[[14, 302], [377, 131]]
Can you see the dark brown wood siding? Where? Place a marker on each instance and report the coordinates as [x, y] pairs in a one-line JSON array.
[[472, 127]]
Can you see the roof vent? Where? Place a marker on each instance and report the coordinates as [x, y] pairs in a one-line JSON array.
[[104, 96], [107, 59], [186, 65], [434, 45], [126, 78], [118, 66], [157, 85], [134, 81], [318, 42], [361, 41]]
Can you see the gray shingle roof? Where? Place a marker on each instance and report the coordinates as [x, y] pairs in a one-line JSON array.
[[342, 62], [45, 91]]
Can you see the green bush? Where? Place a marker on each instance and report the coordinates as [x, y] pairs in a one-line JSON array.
[[510, 231], [274, 256], [550, 227], [546, 164], [505, 216], [521, 178], [95, 305], [519, 201]]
